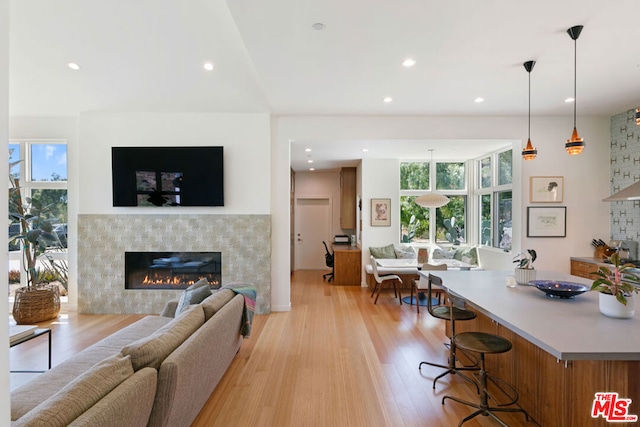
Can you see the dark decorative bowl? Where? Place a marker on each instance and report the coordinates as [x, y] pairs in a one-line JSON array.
[[559, 289]]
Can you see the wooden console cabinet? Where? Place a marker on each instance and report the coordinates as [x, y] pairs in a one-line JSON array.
[[346, 265]]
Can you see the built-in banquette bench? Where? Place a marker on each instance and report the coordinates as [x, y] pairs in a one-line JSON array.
[[465, 254]]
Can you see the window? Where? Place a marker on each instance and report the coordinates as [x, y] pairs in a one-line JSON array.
[[41, 170], [494, 200], [415, 221]]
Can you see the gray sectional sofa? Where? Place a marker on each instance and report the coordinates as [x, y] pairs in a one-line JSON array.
[[159, 371]]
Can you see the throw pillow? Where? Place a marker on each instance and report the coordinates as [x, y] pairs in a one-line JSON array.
[[383, 252], [442, 254], [405, 253], [194, 294], [80, 394], [468, 255]]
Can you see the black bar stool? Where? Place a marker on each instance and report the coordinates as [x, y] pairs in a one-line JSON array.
[[450, 313], [484, 343]]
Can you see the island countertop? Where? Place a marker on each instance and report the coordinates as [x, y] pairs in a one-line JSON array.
[[568, 329]]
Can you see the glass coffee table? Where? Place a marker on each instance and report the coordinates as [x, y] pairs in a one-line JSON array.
[[19, 334]]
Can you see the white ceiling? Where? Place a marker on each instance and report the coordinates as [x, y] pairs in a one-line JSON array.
[[147, 55]]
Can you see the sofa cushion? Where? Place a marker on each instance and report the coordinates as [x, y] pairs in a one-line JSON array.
[[80, 394], [194, 294], [152, 350], [383, 251], [405, 253], [129, 404], [215, 302]]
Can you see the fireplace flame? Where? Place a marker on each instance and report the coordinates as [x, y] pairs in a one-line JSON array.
[[174, 281]]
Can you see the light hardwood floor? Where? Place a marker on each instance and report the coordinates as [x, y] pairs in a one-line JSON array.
[[335, 359]]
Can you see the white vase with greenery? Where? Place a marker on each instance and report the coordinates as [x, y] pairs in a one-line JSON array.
[[524, 271], [616, 287]]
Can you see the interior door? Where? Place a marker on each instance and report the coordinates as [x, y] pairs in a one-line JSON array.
[[313, 221]]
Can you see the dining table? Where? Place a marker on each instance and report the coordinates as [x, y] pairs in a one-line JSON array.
[[564, 350]]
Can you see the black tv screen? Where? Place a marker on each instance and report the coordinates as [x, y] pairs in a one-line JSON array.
[[167, 176]]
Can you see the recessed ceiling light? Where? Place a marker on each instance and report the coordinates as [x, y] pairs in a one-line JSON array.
[[568, 100], [307, 149], [312, 169], [318, 26], [478, 100], [387, 99], [73, 66], [309, 161], [409, 62], [365, 150], [208, 66]]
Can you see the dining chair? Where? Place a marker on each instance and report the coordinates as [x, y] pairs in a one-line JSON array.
[[420, 285], [381, 279]]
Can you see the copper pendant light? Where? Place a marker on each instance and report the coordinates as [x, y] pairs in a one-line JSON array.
[[575, 145], [529, 152]]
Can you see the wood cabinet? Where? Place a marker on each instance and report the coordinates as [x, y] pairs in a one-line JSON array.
[[347, 268], [348, 198], [556, 392], [583, 268]]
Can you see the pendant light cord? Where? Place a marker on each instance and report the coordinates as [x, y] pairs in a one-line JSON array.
[[529, 106], [575, 74]]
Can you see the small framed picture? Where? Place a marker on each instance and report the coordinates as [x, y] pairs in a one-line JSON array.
[[380, 212], [546, 189], [546, 221]]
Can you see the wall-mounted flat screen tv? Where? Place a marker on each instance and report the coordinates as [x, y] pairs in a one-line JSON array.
[[167, 176]]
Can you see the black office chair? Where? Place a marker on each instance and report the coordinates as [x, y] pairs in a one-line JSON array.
[[328, 259]]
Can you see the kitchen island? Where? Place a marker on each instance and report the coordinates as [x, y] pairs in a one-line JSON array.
[[564, 351]]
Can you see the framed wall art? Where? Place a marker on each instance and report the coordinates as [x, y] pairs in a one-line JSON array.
[[546, 221], [381, 212], [546, 189]]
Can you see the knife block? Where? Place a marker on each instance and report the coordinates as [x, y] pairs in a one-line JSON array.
[[603, 252]]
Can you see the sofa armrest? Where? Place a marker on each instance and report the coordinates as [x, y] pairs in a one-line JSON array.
[[169, 309]]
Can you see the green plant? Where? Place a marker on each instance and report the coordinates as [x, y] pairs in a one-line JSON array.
[[526, 259], [36, 228], [411, 230], [619, 282]]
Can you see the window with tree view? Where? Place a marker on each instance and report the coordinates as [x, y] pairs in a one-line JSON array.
[[38, 207], [449, 220], [494, 197]]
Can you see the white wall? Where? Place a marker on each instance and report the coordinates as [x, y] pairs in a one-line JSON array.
[[245, 138], [5, 410], [322, 184], [586, 175]]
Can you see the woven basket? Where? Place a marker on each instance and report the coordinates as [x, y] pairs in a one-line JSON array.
[[36, 304]]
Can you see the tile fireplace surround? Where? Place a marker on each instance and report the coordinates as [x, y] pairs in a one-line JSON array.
[[243, 240]]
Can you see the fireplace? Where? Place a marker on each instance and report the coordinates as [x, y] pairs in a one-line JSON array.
[[171, 270]]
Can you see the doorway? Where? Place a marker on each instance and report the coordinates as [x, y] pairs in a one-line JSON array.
[[312, 225]]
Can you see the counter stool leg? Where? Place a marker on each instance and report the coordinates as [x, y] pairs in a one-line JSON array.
[[483, 407]]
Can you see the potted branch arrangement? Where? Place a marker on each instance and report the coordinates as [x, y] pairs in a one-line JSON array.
[[616, 287], [524, 271], [37, 301]]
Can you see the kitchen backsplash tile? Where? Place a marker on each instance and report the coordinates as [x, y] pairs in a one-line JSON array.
[[625, 170]]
